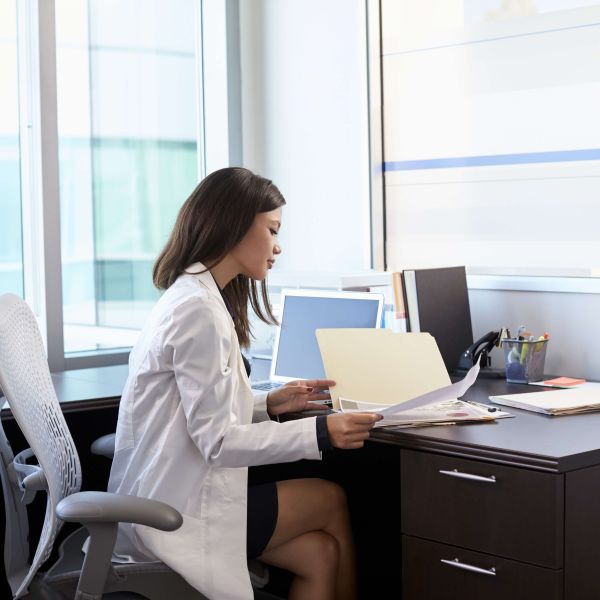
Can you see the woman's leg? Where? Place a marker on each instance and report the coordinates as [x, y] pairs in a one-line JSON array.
[[312, 514]]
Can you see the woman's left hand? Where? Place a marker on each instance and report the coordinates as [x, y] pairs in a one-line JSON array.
[[298, 395]]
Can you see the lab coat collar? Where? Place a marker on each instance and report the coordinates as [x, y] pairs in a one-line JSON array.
[[205, 277]]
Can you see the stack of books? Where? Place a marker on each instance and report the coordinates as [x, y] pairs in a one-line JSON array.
[[559, 402]]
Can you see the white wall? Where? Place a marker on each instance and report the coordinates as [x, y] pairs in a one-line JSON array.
[[305, 125], [573, 321], [304, 113], [497, 79], [491, 132]]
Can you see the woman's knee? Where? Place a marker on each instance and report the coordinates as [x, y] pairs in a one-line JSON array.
[[314, 554], [335, 500], [323, 552]]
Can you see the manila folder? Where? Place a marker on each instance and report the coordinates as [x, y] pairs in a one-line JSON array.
[[379, 365]]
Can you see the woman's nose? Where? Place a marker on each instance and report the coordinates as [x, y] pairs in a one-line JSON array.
[[277, 249]]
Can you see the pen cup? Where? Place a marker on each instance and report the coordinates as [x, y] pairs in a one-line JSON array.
[[524, 360]]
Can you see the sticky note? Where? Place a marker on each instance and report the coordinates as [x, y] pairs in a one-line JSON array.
[[564, 381]]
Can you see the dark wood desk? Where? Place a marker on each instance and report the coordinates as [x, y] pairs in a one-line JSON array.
[[85, 389], [536, 523], [517, 499]]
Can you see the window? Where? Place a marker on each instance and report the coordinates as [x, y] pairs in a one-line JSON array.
[[11, 254], [98, 150], [492, 141], [128, 122]]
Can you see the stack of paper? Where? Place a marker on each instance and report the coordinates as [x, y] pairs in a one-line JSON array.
[[449, 411], [560, 402], [399, 375]]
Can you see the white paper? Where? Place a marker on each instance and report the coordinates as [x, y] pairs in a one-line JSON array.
[[447, 411], [395, 412], [553, 402]]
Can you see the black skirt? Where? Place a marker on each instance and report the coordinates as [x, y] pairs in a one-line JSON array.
[[262, 517]]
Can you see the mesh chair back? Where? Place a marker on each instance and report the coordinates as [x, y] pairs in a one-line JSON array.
[[25, 380]]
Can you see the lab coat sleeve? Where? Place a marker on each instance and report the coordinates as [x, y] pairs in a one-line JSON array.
[[260, 407], [198, 340]]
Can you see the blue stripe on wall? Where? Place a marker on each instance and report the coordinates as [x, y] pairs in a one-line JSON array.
[[493, 160], [491, 39]]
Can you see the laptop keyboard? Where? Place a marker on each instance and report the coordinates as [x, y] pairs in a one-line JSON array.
[[265, 385]]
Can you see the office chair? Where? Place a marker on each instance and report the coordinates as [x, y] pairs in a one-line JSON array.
[[259, 573], [27, 386], [25, 380]]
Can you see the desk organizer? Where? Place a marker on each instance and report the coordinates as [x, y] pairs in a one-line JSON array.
[[524, 360]]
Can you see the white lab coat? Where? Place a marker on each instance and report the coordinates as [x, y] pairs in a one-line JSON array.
[[186, 436]]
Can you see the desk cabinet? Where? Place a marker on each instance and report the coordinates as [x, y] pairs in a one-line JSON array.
[[432, 571], [520, 496], [472, 529]]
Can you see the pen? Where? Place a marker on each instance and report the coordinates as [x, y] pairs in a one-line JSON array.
[[480, 405]]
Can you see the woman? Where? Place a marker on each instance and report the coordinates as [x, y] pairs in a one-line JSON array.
[[189, 425]]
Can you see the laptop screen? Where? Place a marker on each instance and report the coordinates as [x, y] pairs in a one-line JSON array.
[[296, 353]]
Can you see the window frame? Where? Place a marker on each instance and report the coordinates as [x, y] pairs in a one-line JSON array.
[[39, 154]]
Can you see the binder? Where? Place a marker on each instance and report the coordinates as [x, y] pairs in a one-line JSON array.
[[437, 302]]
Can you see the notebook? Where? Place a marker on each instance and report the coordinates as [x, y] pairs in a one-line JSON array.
[[296, 352], [560, 402], [437, 302]]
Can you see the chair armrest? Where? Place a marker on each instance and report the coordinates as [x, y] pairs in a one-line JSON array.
[[100, 513], [104, 507], [104, 446]]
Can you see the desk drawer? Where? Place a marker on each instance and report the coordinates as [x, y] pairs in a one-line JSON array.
[[511, 512], [472, 577]]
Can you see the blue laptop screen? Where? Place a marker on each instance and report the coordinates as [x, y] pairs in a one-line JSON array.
[[298, 353]]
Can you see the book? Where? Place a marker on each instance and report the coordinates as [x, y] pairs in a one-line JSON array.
[[397, 287], [437, 302], [549, 402], [409, 290], [396, 321]]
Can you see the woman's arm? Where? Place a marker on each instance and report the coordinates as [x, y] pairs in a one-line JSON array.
[[260, 412], [198, 339]]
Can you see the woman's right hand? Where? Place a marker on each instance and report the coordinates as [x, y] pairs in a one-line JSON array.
[[350, 430]]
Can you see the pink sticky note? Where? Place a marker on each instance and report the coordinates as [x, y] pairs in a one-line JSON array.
[[563, 381]]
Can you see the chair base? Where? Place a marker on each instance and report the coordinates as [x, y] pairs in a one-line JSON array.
[[131, 581], [153, 581]]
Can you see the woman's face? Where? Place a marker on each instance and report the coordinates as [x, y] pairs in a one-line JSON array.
[[256, 253]]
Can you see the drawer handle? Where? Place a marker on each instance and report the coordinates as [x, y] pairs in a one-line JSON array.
[[457, 473], [465, 567]]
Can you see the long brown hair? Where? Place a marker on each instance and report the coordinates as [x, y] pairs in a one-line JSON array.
[[211, 222]]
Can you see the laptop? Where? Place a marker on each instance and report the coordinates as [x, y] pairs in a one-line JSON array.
[[296, 351]]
